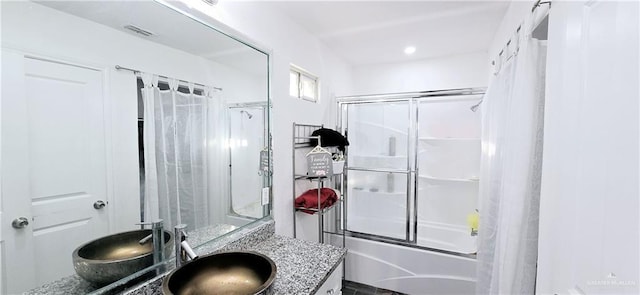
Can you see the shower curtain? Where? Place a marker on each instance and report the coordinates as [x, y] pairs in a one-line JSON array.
[[179, 139], [511, 170]]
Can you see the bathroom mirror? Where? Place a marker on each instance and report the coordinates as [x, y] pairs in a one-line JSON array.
[[121, 112]]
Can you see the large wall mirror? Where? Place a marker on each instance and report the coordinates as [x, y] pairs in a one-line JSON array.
[[121, 112]]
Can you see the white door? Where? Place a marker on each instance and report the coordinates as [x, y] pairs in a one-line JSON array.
[[53, 167], [588, 240]]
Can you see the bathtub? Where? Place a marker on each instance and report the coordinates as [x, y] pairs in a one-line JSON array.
[[408, 270], [413, 270]]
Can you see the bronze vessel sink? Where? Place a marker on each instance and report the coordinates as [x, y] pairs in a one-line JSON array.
[[223, 273], [108, 259]]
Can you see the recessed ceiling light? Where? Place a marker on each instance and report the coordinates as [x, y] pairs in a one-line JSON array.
[[409, 50]]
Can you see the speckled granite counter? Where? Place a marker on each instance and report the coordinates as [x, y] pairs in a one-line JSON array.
[[302, 266], [73, 285]]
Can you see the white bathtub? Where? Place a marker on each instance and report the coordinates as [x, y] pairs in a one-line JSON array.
[[408, 270], [412, 270]]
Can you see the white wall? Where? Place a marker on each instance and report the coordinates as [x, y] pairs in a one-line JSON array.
[[456, 71], [589, 198], [45, 32], [289, 44], [589, 237]]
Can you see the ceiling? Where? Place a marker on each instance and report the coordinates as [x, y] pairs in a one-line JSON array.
[[369, 32], [361, 32], [168, 28]]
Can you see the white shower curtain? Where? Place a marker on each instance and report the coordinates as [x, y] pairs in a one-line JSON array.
[[511, 170], [178, 130]]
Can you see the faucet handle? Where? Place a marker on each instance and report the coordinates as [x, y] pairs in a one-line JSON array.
[[180, 231], [182, 228], [154, 224]]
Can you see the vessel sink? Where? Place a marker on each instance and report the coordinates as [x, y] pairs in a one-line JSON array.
[[223, 273], [108, 259]]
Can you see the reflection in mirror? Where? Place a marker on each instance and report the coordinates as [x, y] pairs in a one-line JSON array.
[[247, 138], [80, 165]]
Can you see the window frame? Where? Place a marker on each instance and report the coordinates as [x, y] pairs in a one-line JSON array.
[[300, 74]]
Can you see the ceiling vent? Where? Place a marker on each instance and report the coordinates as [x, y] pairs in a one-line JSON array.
[[210, 2], [138, 31]]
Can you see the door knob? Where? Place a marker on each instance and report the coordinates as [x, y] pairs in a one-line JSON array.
[[99, 204], [20, 222]]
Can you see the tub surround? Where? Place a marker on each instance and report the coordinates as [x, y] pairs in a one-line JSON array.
[[303, 266]]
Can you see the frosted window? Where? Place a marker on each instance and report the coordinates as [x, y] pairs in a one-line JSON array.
[[303, 85], [309, 88]]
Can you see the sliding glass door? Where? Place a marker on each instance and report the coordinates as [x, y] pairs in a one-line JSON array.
[[413, 168], [379, 169], [448, 167]]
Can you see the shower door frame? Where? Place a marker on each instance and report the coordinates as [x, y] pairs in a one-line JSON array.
[[409, 172], [414, 99], [263, 106]]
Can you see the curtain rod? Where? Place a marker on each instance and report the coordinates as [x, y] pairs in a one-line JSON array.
[[533, 9], [418, 94], [118, 67], [538, 3]]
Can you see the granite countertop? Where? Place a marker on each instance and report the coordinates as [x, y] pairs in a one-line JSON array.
[[302, 266]]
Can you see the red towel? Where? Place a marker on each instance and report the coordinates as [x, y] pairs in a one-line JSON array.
[[309, 199]]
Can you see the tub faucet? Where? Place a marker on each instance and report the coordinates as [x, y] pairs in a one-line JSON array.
[[157, 238], [184, 252]]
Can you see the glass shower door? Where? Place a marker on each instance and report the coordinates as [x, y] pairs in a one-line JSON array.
[[378, 168], [448, 167], [247, 136]]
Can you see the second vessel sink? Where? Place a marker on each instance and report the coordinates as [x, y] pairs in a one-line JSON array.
[[108, 259], [223, 273]]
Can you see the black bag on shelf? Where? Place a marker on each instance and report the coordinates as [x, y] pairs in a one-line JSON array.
[[329, 137]]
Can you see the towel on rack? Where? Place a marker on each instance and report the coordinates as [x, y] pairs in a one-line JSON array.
[[309, 199], [329, 137]]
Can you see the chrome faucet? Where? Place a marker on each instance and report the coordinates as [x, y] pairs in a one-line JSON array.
[[157, 238], [184, 252]]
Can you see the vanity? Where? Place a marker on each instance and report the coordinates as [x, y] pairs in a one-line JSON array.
[[303, 267]]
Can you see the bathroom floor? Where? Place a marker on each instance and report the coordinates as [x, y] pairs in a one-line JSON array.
[[353, 288]]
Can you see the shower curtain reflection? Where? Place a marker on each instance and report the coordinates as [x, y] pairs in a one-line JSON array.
[[178, 129]]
